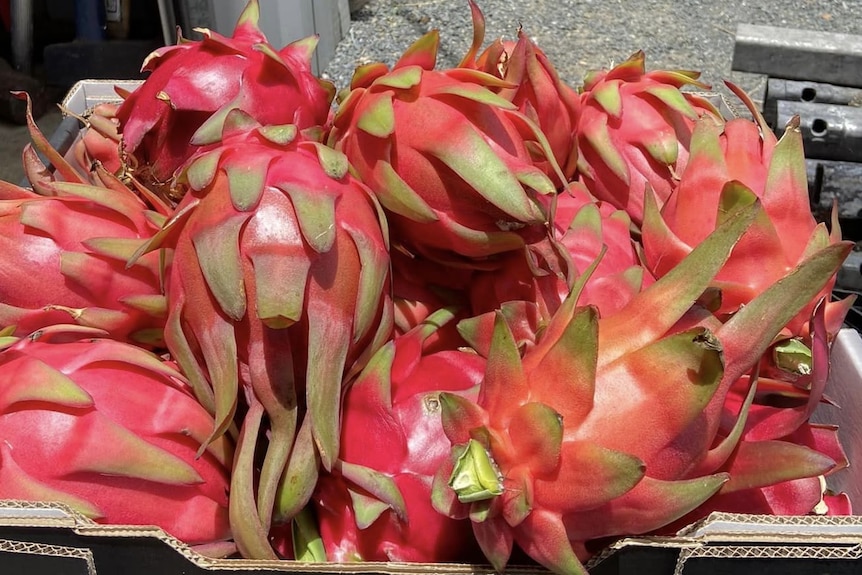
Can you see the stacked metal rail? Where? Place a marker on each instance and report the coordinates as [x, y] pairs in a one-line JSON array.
[[817, 76]]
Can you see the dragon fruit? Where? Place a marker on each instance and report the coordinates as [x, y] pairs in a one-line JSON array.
[[536, 89], [95, 159], [192, 86], [735, 162], [100, 139], [777, 426], [278, 291], [552, 455], [634, 131], [481, 388], [376, 504], [112, 431], [584, 230], [446, 156], [65, 261]]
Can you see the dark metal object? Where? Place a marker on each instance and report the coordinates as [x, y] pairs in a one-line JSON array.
[[850, 274], [168, 21], [830, 180], [778, 89], [90, 20], [799, 54], [838, 183], [830, 132], [818, 92], [61, 140], [21, 12]]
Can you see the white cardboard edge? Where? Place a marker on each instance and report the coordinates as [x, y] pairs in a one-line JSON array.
[[88, 93], [33, 513], [844, 388]]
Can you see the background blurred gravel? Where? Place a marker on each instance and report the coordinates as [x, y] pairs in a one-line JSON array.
[[580, 35]]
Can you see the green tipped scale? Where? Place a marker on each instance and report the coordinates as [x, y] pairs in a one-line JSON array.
[[524, 77]]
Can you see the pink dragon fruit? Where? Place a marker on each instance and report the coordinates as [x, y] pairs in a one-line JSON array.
[[777, 427], [536, 89], [376, 504], [634, 132], [446, 156], [93, 157], [111, 431], [279, 290], [552, 455], [100, 141], [585, 230], [735, 162], [65, 261], [193, 85]]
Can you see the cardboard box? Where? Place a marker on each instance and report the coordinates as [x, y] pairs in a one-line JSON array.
[[737, 544], [86, 94], [49, 539]]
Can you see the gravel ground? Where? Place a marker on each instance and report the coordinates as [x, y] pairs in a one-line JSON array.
[[580, 35]]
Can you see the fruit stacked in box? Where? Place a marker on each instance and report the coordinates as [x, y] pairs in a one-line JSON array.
[[469, 314]]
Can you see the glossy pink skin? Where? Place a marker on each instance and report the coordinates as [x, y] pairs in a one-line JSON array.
[[53, 443], [201, 77], [47, 262], [409, 446]]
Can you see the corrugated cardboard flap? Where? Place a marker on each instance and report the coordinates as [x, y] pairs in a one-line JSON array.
[[720, 535], [733, 526], [86, 94], [739, 536], [45, 515]]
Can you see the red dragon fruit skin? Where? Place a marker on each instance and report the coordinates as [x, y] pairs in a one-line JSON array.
[[194, 82], [736, 162], [536, 89], [634, 130], [65, 261], [394, 401], [112, 431], [446, 156]]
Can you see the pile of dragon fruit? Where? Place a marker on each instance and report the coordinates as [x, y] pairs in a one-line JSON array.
[[439, 315]]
